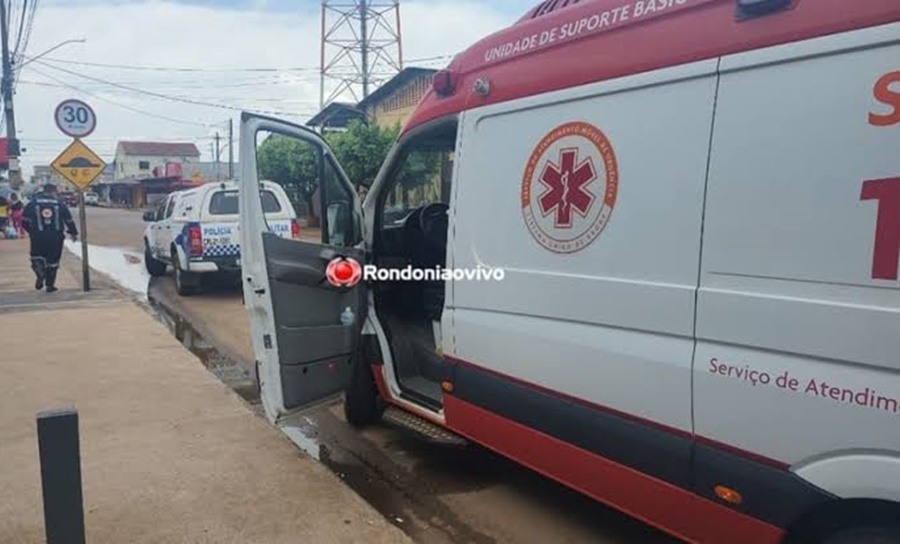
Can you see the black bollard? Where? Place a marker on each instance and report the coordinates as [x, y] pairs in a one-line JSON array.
[[61, 475]]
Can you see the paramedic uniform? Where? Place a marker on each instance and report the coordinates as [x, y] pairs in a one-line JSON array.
[[47, 219]]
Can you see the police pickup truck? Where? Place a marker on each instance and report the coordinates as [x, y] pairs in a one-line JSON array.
[[196, 231]]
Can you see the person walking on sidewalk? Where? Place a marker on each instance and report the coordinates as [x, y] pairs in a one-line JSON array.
[[16, 213], [46, 219], [4, 215]]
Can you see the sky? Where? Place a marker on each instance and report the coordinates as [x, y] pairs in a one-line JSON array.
[[260, 55]]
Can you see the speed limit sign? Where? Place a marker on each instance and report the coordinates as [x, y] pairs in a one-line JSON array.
[[75, 118]]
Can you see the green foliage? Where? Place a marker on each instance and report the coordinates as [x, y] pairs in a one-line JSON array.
[[291, 163], [421, 167], [362, 149]]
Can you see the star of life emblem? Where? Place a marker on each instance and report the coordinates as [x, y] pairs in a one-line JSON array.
[[569, 187]]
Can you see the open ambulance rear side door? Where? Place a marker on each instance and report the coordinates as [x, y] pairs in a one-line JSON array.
[[304, 339]]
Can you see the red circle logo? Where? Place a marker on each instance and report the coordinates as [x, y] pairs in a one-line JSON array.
[[343, 272], [569, 188]]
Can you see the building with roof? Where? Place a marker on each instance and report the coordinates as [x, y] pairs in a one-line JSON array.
[[389, 105], [204, 172], [147, 171], [138, 160], [336, 116], [393, 103]]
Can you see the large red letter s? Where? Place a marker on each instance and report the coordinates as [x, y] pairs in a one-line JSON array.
[[887, 229], [886, 96]]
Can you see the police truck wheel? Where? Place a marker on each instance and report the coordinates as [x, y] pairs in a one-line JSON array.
[[184, 281], [154, 267]]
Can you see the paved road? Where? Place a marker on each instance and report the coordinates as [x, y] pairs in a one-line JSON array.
[[114, 227], [434, 494]]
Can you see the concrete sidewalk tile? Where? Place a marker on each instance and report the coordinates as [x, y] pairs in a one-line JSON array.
[[169, 454]]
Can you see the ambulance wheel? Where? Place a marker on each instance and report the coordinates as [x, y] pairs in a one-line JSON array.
[[865, 535], [361, 403], [185, 282], [154, 267], [858, 521]]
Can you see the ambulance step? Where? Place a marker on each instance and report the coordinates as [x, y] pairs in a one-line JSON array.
[[422, 427]]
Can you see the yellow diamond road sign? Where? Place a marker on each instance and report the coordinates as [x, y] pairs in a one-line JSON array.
[[79, 165]]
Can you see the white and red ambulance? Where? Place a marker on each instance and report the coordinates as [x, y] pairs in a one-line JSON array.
[[696, 207]]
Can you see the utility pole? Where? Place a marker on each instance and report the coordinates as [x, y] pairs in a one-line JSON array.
[[230, 148], [218, 153], [7, 92]]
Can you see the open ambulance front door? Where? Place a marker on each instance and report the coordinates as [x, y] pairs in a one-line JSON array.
[[304, 337]]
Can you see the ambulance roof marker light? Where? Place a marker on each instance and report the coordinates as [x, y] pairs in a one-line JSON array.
[[749, 9], [444, 83]]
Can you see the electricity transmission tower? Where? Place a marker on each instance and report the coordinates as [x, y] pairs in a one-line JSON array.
[[361, 47]]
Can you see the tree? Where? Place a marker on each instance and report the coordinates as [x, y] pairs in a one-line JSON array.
[[362, 149], [293, 164]]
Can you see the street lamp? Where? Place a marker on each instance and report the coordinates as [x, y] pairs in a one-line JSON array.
[[52, 49]]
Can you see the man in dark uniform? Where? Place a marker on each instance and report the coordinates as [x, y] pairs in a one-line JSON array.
[[46, 218]]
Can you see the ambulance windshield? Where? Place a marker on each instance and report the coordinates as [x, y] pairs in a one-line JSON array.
[[422, 175]]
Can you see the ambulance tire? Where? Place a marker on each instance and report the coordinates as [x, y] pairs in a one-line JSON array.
[[362, 406], [865, 535], [185, 282], [154, 267]]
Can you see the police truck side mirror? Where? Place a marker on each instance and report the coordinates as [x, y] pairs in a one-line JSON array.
[[150, 216]]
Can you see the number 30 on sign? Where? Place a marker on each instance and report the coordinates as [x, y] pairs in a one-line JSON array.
[[75, 118]]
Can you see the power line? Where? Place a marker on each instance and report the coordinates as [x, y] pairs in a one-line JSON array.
[[169, 97], [28, 27], [82, 89], [22, 42], [204, 83], [22, 18], [124, 106], [315, 69]]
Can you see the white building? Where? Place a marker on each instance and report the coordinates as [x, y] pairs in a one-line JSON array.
[[137, 160]]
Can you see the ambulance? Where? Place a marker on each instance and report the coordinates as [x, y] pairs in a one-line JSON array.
[[695, 205]]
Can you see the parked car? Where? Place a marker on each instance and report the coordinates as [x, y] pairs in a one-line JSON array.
[[196, 231], [695, 204], [91, 199]]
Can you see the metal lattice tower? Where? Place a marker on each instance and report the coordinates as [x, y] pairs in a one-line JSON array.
[[361, 47]]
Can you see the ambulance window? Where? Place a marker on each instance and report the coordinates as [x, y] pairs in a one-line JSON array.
[[423, 174], [320, 199], [337, 201]]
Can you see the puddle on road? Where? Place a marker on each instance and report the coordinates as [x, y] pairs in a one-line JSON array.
[[304, 436], [402, 498], [229, 371]]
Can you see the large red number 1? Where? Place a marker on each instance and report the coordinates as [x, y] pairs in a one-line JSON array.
[[887, 229]]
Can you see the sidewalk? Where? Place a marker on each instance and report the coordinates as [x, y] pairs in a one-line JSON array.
[[168, 453]]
